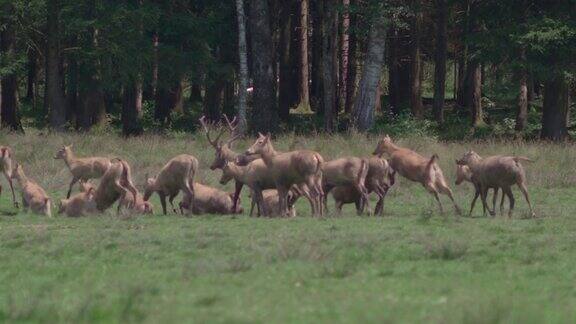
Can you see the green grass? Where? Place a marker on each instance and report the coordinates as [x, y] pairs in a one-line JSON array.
[[413, 265]]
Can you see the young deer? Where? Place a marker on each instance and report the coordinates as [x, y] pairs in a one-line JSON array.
[[463, 173], [33, 196], [345, 171], [209, 200], [81, 203], [6, 159], [176, 175], [82, 168], [417, 168], [292, 168], [139, 205], [114, 184], [271, 202], [497, 171]]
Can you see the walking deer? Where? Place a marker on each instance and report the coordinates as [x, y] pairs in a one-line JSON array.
[[292, 168], [417, 168], [176, 175], [463, 173], [497, 171], [33, 196], [6, 161], [82, 168]]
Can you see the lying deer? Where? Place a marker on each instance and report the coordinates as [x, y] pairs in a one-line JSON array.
[[82, 168], [271, 202], [114, 184], [6, 159], [379, 180], [80, 204], [292, 168], [463, 173], [33, 196], [176, 175], [139, 205], [209, 200], [417, 168], [497, 171], [346, 171]]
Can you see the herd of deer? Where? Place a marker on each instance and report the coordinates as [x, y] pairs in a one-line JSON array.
[[276, 179]]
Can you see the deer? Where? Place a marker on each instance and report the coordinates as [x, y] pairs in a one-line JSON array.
[[176, 175], [379, 180], [209, 200], [33, 196], [417, 168], [463, 173], [345, 171], [81, 203], [114, 184], [82, 168], [497, 171], [271, 202], [138, 206], [6, 161], [223, 150], [301, 167]]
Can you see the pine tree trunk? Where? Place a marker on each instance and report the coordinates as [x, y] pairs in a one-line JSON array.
[[522, 112], [303, 84], [473, 92], [363, 113], [264, 116], [555, 109], [440, 57], [344, 53], [132, 109], [54, 94], [72, 91], [398, 71], [330, 65], [243, 66], [317, 74], [415, 63], [9, 102], [32, 77], [286, 82], [168, 98], [214, 101], [351, 79]]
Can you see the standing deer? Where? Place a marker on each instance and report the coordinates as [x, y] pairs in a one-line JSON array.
[[114, 184], [463, 173], [498, 171], [82, 168], [345, 171], [6, 160], [176, 175], [33, 196], [417, 168], [292, 168]]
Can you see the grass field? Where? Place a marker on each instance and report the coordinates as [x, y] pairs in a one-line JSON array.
[[412, 265]]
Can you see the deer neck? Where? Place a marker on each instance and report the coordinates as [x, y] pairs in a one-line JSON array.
[[236, 171], [228, 154], [391, 148], [69, 159], [22, 179], [269, 154], [473, 164]]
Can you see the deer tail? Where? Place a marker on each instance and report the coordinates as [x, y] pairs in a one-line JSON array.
[[126, 178], [48, 207], [522, 159], [363, 172]]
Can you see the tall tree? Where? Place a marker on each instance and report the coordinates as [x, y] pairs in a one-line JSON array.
[[243, 66], [286, 71], [302, 31], [316, 89], [556, 108], [522, 103], [132, 108], [440, 58], [363, 113], [398, 69], [9, 83], [344, 52], [415, 61], [330, 65], [473, 92], [54, 93], [264, 116], [353, 60]]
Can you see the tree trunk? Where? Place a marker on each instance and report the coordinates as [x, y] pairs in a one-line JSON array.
[[303, 83], [398, 71], [363, 114], [264, 113], [32, 77], [9, 84], [243, 66], [555, 109], [351, 78], [440, 55], [415, 63], [473, 92], [168, 98], [54, 94], [317, 75], [330, 65], [72, 91], [214, 101], [132, 109], [522, 112], [286, 77], [344, 53]]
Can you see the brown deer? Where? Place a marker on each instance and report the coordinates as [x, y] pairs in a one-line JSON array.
[[345, 171], [82, 168], [6, 160], [271, 202], [33, 196], [498, 171], [292, 168], [209, 200], [417, 168], [176, 175], [81, 203], [139, 205], [114, 184], [463, 173]]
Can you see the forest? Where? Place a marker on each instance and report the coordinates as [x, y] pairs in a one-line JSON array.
[[452, 68]]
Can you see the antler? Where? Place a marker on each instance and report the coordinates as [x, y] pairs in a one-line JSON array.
[[232, 125], [214, 143]]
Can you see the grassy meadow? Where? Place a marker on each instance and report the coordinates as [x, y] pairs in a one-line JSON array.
[[412, 265]]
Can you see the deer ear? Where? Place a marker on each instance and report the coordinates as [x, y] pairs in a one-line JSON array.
[[260, 134], [268, 136]]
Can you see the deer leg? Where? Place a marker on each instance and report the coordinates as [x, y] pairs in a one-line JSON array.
[[483, 194], [512, 201], [363, 196], [74, 180], [171, 201], [447, 191], [237, 189], [11, 189], [502, 202], [262, 210], [476, 194], [162, 201], [525, 193], [494, 198], [188, 189], [282, 201]]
